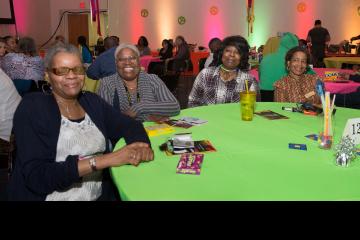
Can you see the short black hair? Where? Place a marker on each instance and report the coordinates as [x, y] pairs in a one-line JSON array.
[[241, 45], [317, 22]]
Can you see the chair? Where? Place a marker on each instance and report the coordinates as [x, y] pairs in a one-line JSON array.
[[202, 63], [174, 69], [24, 86], [349, 100], [7, 149]]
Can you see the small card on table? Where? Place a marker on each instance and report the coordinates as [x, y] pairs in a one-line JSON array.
[[271, 115], [190, 163], [297, 146]]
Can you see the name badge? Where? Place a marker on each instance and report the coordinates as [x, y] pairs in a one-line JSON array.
[[310, 94]]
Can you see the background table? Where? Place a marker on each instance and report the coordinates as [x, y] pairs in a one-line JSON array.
[[252, 162], [335, 87], [336, 62], [195, 59], [146, 60]]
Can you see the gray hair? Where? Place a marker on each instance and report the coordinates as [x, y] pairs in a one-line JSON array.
[[27, 45], [129, 46], [66, 48]]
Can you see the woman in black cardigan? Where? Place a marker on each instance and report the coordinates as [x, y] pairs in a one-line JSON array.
[[62, 138]]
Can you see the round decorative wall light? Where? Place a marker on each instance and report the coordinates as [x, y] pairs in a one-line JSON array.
[[181, 20], [301, 7], [144, 13], [214, 10]]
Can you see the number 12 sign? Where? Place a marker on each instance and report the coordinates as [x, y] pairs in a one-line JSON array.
[[352, 129]]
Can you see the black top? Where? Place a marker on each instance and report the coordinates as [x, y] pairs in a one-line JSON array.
[[37, 122], [167, 54], [318, 35]]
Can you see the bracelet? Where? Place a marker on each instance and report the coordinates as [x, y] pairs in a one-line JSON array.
[[92, 163]]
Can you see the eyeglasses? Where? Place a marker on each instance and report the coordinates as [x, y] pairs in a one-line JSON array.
[[62, 71], [132, 59]]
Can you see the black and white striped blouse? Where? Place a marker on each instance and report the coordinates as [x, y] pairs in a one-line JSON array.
[[154, 97]]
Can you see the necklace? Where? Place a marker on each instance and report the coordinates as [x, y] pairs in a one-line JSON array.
[[67, 109], [227, 70], [128, 94]]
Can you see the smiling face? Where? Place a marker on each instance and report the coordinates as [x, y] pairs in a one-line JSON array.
[[231, 57], [128, 64], [69, 84], [298, 63]]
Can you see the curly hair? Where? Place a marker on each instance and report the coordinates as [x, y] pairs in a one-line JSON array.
[[242, 47]]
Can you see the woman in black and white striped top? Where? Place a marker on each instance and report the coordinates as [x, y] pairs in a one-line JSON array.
[[138, 94]]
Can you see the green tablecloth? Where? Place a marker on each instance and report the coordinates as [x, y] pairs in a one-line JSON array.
[[252, 162], [336, 62]]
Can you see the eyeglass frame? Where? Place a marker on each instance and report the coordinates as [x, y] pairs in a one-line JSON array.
[[54, 70], [132, 59]]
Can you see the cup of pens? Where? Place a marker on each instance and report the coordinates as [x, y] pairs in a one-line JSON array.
[[247, 103], [326, 133]]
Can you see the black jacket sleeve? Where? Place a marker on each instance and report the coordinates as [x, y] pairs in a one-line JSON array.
[[36, 151], [119, 125]]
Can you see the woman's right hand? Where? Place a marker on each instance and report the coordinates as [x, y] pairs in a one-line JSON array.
[[133, 154]]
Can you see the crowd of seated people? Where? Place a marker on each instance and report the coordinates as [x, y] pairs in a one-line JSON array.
[[127, 96]]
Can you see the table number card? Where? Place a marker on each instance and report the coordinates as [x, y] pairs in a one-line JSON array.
[[352, 129]]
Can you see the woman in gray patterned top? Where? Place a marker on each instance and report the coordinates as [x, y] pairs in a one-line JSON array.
[[223, 83], [137, 94]]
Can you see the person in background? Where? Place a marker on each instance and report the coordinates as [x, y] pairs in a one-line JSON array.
[[59, 39], [181, 58], [166, 51], [136, 93], [24, 64], [214, 45], [319, 38], [11, 45], [143, 46], [272, 66], [223, 82], [297, 86], [84, 49], [99, 47], [104, 65], [70, 133], [2, 49], [9, 100]]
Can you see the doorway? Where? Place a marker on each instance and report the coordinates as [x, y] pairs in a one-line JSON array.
[[78, 26]]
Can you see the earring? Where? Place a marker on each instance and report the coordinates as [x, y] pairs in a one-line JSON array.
[[84, 89], [46, 88]]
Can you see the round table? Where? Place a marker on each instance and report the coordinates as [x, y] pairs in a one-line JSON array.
[[252, 162]]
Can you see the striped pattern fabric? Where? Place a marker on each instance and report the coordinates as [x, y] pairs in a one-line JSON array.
[[155, 97], [209, 88]]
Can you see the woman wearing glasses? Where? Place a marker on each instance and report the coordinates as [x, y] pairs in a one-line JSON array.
[[136, 93], [62, 137]]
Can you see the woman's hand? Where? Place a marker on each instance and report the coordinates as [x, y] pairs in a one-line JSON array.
[[132, 154], [130, 113]]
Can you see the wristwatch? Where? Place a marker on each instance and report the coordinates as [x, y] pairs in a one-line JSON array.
[[92, 163]]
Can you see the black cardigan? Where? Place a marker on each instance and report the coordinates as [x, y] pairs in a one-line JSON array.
[[37, 126]]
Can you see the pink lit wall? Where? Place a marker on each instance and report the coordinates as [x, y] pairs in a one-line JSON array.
[[271, 16], [32, 18], [39, 18]]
